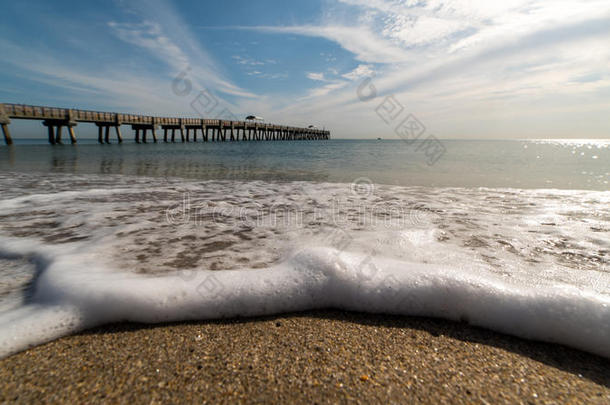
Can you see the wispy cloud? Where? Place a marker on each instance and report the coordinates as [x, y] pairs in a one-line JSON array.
[[317, 76], [337, 82], [266, 75], [454, 60], [162, 32], [247, 61], [149, 35], [365, 44], [463, 66], [130, 85], [324, 90], [253, 67], [360, 72]]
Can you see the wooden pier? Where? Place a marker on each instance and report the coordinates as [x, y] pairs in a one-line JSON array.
[[56, 119]]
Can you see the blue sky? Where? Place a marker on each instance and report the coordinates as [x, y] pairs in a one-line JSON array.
[[465, 69]]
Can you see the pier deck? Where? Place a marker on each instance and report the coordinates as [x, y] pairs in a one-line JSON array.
[[55, 119]]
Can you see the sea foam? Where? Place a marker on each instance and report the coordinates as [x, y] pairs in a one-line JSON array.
[[526, 263], [73, 293]]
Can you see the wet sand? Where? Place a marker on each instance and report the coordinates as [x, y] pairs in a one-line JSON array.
[[318, 356]]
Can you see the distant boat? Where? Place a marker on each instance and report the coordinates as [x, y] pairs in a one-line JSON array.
[[379, 139]]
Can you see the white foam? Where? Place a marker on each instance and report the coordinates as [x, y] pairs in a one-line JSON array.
[[73, 293], [526, 263]]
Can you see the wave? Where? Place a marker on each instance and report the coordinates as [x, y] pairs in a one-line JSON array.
[[73, 294], [527, 263]]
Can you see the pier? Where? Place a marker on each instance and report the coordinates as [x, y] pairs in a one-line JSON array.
[[174, 129]]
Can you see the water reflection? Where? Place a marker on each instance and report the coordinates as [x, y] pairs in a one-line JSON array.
[[109, 165], [517, 164], [151, 163]]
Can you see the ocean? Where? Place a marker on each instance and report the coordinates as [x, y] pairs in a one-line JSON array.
[[513, 236]]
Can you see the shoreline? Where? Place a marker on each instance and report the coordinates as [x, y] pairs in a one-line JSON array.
[[314, 356]]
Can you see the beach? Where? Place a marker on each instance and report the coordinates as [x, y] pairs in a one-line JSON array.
[[235, 286], [336, 201], [312, 357]]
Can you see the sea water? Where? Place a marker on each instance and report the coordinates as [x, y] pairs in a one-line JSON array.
[[509, 235]]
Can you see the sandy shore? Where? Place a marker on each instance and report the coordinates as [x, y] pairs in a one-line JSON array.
[[325, 356]]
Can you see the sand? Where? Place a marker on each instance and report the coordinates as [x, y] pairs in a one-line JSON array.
[[313, 357]]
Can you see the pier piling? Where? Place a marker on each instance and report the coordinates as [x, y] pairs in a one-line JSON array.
[[55, 130], [143, 135], [4, 121], [104, 130], [58, 135], [118, 134], [50, 132], [7, 135]]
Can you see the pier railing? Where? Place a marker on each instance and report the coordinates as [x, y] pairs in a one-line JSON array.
[[55, 119]]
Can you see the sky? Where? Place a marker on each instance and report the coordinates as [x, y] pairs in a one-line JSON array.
[[360, 68]]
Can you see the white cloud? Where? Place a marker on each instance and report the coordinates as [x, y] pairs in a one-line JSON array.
[[463, 67], [263, 75], [127, 90], [459, 61], [149, 35], [316, 76], [360, 72], [423, 30], [338, 83], [365, 44], [325, 89], [161, 31], [155, 32], [247, 61]]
